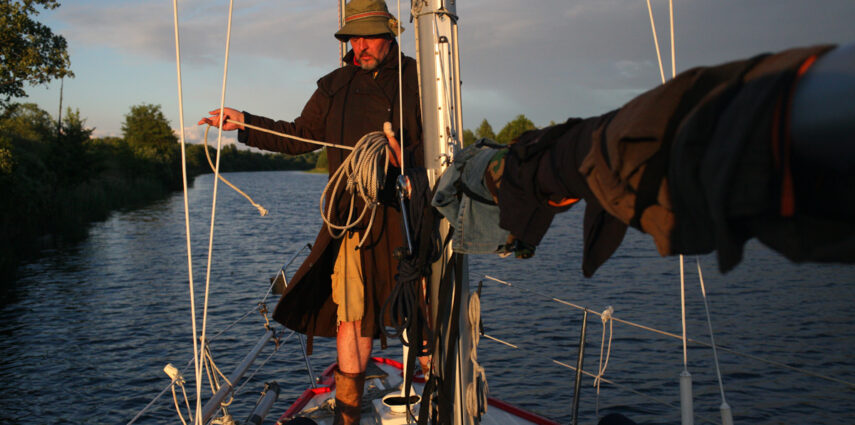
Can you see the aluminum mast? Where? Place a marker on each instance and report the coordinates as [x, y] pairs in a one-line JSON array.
[[437, 52]]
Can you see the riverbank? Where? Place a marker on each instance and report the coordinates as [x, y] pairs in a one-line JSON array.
[[49, 198]]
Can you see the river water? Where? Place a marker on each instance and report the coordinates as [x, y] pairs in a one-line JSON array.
[[87, 329]]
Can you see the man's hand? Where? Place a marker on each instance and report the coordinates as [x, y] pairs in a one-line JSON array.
[[393, 151], [228, 114]]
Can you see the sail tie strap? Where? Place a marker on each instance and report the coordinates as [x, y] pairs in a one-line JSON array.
[[606, 316]]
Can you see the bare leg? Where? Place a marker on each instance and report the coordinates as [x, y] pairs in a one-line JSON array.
[[354, 350]]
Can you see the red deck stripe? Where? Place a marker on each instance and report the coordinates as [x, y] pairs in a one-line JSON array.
[[516, 411]]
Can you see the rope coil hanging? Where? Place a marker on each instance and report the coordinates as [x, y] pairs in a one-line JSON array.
[[476, 392], [362, 174]]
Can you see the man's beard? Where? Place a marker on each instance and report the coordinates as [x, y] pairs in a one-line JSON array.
[[369, 65]]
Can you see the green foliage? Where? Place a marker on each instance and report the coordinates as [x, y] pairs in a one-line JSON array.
[[321, 163], [52, 186], [31, 53], [513, 129], [485, 130], [71, 160], [27, 122], [468, 137], [146, 127]]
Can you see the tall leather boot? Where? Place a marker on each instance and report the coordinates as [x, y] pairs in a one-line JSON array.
[[348, 397]]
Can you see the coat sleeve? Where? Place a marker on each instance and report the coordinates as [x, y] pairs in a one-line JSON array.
[[309, 125]]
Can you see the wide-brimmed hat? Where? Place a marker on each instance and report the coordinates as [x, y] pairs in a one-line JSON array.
[[367, 17]]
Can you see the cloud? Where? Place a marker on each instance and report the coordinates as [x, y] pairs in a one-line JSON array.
[[259, 29]]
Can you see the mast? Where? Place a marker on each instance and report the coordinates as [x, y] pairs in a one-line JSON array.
[[437, 52]]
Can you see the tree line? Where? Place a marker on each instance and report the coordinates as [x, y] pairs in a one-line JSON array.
[[55, 178], [507, 134]]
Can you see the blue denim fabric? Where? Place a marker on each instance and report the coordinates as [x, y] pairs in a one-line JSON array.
[[476, 224]]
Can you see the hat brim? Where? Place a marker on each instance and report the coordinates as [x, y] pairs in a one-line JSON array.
[[364, 28]]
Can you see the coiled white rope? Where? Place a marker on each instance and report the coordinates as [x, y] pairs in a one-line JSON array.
[[476, 392], [362, 174], [606, 316]]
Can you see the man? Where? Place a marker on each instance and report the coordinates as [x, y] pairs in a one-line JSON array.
[[339, 290]]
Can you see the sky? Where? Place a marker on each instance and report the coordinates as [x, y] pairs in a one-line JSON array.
[[546, 59]]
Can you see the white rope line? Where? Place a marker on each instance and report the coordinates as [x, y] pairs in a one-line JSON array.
[[606, 316], [214, 381], [675, 336], [400, 92], [214, 207], [656, 41], [673, 40], [683, 312], [186, 210], [360, 174], [476, 392], [712, 336], [261, 210], [584, 372], [288, 136], [175, 400]]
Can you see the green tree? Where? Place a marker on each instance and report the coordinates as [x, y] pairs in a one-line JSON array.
[[146, 127], [485, 130], [513, 129], [30, 52], [468, 137], [321, 163], [71, 159], [28, 122]]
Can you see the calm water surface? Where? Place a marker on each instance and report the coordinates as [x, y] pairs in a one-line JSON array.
[[87, 330]]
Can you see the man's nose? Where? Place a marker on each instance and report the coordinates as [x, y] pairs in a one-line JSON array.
[[357, 43]]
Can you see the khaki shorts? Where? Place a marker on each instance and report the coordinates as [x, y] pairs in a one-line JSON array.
[[348, 288]]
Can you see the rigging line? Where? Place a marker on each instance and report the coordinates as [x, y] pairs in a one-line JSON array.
[[214, 208], [288, 136], [675, 336], [196, 354], [683, 312], [252, 375], [656, 41], [400, 91], [712, 336], [673, 40], [282, 270], [589, 374], [198, 416], [261, 210]]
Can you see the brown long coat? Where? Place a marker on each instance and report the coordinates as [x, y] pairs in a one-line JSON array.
[[348, 103]]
